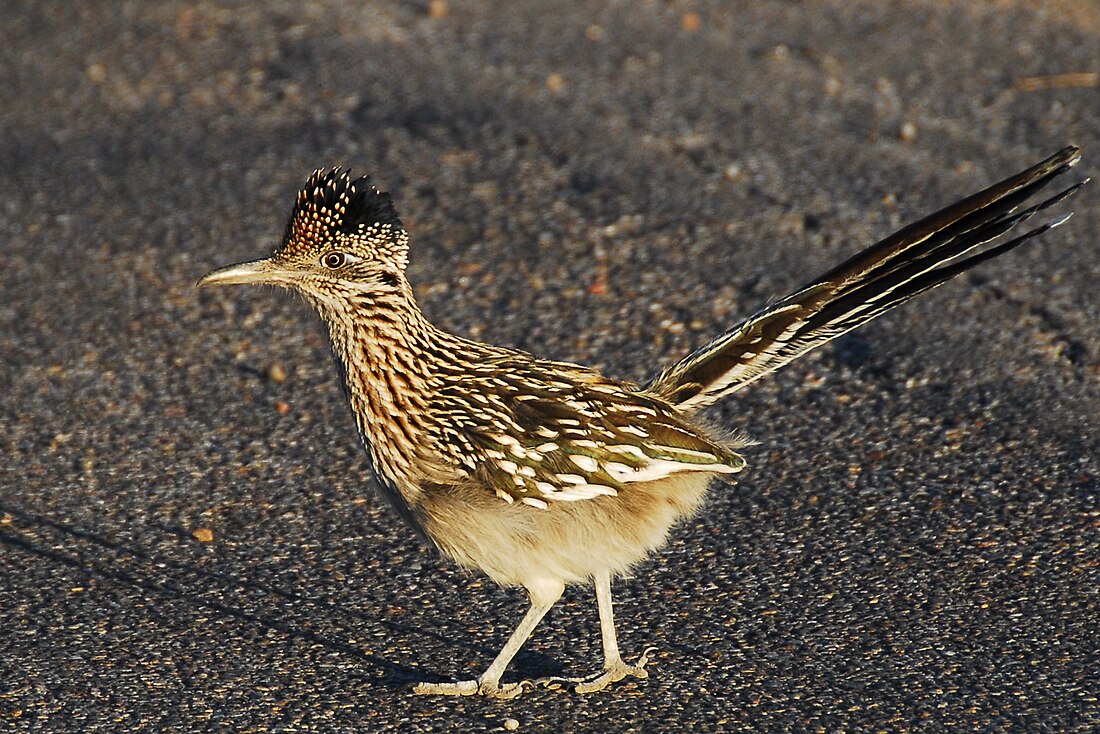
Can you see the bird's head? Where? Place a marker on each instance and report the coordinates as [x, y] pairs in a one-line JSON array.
[[344, 237]]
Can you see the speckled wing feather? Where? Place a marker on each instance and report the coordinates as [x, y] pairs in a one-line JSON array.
[[543, 432], [909, 262]]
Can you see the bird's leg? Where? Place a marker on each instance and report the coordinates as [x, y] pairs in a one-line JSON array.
[[614, 668], [543, 597]]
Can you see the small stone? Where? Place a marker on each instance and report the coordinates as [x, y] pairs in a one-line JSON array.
[[277, 373], [511, 724], [282, 407], [438, 9], [691, 22], [555, 81], [203, 535], [908, 132]]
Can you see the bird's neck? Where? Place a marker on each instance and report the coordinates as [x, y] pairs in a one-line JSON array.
[[391, 355]]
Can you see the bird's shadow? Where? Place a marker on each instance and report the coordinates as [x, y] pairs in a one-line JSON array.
[[232, 596]]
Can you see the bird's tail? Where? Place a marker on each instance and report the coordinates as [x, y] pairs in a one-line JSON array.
[[911, 261]]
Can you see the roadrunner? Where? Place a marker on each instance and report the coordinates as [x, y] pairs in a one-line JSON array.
[[543, 473]]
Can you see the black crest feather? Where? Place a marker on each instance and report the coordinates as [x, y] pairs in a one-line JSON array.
[[350, 202], [332, 206]]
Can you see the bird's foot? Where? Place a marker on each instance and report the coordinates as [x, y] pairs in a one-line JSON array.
[[487, 688], [611, 674]]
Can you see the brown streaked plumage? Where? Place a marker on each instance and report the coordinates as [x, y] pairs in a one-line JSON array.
[[543, 473]]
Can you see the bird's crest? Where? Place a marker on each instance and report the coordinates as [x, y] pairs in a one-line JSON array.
[[333, 207]]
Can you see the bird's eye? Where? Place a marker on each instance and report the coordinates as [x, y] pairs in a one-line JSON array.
[[334, 260]]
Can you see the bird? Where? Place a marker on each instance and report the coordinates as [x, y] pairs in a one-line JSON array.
[[543, 473]]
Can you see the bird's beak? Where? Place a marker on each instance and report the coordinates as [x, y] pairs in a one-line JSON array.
[[254, 271]]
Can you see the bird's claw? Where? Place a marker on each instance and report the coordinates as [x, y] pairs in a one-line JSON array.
[[487, 688], [611, 674]]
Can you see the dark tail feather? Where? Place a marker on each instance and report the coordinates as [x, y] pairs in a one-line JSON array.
[[889, 273]]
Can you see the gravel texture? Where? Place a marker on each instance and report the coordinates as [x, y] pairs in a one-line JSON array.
[[187, 540]]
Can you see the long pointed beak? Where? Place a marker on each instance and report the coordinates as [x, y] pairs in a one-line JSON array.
[[254, 271]]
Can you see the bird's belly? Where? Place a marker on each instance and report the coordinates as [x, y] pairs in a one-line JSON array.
[[516, 544]]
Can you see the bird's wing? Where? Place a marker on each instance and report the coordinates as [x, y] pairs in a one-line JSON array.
[[565, 434]]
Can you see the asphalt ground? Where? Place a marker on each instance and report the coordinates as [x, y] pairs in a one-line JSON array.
[[187, 538]]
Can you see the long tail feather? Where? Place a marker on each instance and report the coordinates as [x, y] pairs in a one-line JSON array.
[[887, 274]]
